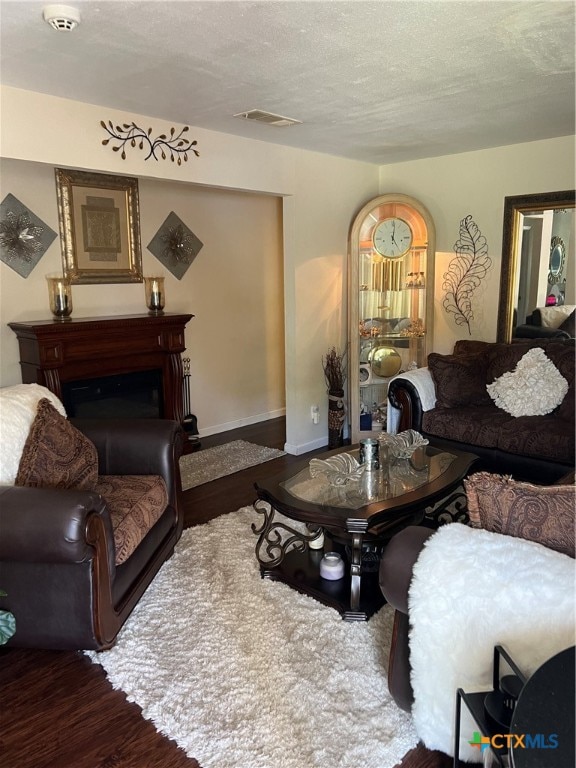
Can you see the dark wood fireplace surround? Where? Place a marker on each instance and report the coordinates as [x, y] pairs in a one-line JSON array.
[[54, 352]]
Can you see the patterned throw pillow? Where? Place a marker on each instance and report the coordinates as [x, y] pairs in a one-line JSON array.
[[56, 454], [535, 387], [503, 358], [459, 379], [544, 514], [18, 406]]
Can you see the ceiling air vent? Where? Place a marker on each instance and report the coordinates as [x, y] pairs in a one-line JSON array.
[[267, 117]]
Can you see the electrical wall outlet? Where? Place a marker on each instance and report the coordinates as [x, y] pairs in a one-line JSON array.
[[315, 414]]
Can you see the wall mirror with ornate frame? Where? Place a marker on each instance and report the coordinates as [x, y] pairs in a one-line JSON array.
[[538, 257]]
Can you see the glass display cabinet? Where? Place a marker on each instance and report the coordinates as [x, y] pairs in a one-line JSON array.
[[390, 303]]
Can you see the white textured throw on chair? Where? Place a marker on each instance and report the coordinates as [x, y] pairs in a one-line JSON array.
[[471, 590]]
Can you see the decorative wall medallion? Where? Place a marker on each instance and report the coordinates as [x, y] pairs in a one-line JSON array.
[[24, 238], [174, 146], [465, 272], [175, 245]]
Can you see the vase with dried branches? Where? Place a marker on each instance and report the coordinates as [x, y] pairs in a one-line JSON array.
[[334, 373]]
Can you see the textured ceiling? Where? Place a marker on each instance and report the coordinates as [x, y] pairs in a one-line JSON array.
[[379, 81]]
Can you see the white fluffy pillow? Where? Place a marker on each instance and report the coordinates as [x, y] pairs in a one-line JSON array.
[[534, 388], [18, 405], [553, 317]]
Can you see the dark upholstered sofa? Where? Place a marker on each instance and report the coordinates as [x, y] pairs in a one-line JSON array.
[[535, 448], [59, 550], [542, 324]]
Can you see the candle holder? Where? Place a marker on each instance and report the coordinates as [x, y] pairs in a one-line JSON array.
[[60, 294], [155, 296]]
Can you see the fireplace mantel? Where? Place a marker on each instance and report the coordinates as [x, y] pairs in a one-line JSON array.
[[53, 352]]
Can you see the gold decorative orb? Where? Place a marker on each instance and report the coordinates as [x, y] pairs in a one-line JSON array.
[[386, 362]]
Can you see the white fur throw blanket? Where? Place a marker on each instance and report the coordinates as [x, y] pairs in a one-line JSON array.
[[18, 405], [472, 590]]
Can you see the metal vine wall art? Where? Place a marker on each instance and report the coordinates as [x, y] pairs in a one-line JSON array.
[[175, 146], [465, 272]]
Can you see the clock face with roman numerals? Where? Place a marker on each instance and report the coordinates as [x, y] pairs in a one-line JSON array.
[[392, 238]]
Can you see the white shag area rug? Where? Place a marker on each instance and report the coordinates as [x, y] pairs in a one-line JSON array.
[[243, 672], [211, 463]]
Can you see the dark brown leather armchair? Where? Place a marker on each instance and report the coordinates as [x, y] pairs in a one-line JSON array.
[[57, 553], [395, 575]]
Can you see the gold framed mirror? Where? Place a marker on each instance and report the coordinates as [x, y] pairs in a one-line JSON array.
[[521, 271]]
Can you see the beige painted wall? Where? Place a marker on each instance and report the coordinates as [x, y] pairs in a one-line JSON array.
[[320, 195], [237, 354], [476, 183]]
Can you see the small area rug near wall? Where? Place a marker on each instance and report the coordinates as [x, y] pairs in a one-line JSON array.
[[211, 463], [246, 673]]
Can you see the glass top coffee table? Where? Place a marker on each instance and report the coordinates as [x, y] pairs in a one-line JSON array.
[[355, 519]]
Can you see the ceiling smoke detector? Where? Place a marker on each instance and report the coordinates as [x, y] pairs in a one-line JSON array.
[[268, 118], [64, 18]]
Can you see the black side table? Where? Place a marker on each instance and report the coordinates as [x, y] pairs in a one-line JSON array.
[[545, 714], [530, 722]]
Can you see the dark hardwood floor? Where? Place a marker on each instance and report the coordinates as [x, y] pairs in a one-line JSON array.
[[57, 709]]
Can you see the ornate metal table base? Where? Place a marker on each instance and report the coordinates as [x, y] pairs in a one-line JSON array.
[[284, 555], [452, 509], [277, 538], [357, 522]]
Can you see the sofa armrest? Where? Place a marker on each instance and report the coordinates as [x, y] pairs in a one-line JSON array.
[[397, 563], [138, 447], [403, 396], [57, 567], [49, 525], [410, 394], [395, 576]]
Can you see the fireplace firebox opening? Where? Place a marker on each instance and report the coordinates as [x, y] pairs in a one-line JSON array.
[[136, 395]]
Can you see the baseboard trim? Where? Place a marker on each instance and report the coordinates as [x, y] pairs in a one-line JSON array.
[[245, 422], [314, 445]]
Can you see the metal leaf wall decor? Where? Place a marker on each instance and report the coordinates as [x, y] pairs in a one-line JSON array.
[[175, 146], [24, 237], [19, 236], [465, 272]]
